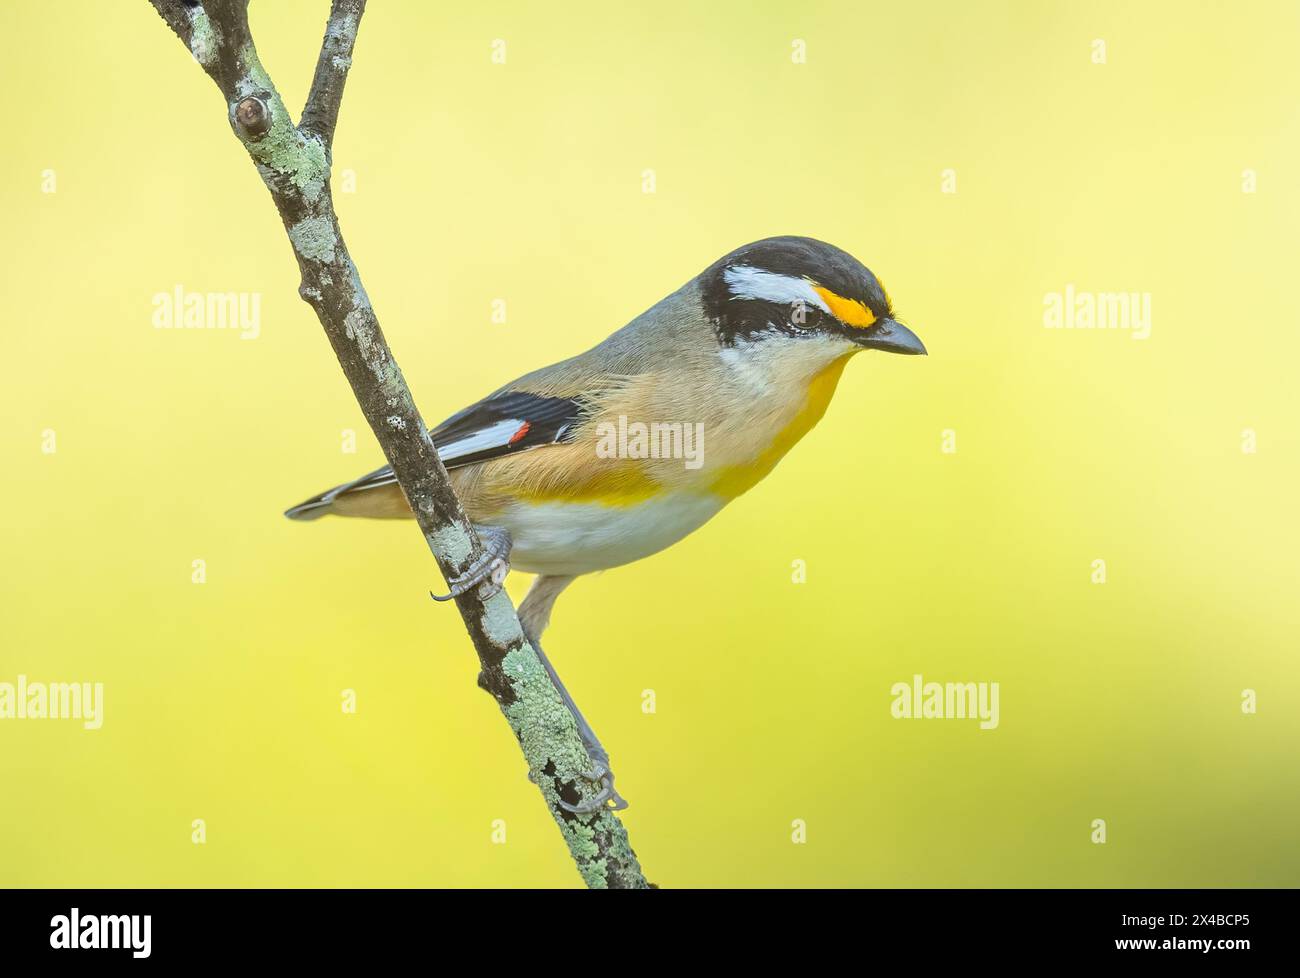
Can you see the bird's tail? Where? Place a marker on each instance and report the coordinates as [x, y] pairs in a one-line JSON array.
[[311, 509], [322, 503]]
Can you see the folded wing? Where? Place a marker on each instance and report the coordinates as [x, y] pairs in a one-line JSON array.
[[500, 424]]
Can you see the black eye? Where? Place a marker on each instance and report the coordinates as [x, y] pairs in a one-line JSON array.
[[804, 316]]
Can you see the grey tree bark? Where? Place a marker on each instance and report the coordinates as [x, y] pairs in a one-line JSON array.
[[294, 163]]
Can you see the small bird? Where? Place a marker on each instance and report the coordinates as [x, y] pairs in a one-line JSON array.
[[619, 452]]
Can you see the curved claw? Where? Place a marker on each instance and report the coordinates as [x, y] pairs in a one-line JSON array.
[[602, 776], [490, 573], [619, 802]]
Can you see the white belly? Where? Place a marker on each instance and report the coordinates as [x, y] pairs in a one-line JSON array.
[[577, 538]]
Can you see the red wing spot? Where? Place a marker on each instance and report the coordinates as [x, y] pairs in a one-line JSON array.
[[523, 430]]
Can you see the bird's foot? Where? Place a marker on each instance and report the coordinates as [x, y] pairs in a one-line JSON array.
[[606, 796], [488, 573]]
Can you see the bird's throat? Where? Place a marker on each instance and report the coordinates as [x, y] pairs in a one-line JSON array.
[[735, 480]]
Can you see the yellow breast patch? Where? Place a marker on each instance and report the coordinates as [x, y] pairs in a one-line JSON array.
[[733, 480]]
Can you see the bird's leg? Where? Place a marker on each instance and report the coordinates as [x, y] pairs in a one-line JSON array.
[[535, 614], [489, 571], [600, 772]]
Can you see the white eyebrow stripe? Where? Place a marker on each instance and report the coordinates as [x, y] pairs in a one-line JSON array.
[[747, 282]]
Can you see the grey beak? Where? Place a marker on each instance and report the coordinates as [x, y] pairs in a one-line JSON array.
[[890, 336]]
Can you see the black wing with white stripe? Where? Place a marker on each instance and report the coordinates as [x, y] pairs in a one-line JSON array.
[[502, 424], [509, 422]]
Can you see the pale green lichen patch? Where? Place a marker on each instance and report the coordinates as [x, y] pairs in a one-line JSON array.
[[538, 714], [314, 238], [453, 543], [286, 151], [311, 175], [618, 852], [203, 39], [500, 623]]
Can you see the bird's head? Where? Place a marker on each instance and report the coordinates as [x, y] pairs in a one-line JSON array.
[[802, 289]]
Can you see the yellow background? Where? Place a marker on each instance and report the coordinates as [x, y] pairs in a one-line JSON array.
[[522, 181]]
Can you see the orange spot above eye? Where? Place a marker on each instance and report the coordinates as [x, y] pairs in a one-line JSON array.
[[850, 312], [523, 430]]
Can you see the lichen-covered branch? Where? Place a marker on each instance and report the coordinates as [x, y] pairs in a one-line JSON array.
[[294, 163]]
